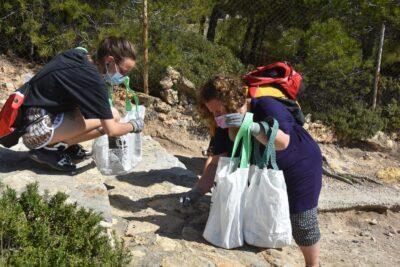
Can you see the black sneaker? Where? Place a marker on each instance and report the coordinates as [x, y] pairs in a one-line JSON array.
[[77, 152], [56, 159]]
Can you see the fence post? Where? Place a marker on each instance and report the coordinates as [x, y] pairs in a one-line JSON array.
[[378, 66], [145, 50]]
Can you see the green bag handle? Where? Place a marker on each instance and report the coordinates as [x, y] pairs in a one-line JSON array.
[[244, 135], [270, 151], [256, 148], [128, 104], [110, 95], [269, 155]]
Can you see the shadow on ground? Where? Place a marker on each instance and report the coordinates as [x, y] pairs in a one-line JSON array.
[[165, 211], [195, 164], [176, 175], [11, 161]]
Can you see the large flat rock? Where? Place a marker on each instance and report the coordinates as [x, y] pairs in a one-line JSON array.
[[86, 188], [339, 196]]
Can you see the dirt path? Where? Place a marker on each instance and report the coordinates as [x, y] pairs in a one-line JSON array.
[[160, 233], [349, 238]]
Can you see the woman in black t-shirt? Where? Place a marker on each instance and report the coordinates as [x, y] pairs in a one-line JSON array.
[[71, 97]]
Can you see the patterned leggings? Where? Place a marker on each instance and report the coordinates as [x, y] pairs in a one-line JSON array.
[[305, 227]]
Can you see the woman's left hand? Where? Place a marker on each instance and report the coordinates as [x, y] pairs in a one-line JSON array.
[[234, 120]]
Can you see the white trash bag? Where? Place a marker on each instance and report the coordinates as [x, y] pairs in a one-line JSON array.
[[225, 222], [267, 218], [119, 155]]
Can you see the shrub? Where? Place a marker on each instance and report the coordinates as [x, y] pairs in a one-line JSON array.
[[391, 112], [45, 231], [40, 29], [355, 122], [189, 53], [389, 99]]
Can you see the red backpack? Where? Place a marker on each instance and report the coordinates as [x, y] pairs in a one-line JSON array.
[[280, 74], [11, 128], [9, 113], [283, 77]]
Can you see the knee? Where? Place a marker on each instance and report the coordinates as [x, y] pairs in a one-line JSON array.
[[305, 227], [116, 115]]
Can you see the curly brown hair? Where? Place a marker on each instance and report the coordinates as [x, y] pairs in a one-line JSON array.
[[227, 89]]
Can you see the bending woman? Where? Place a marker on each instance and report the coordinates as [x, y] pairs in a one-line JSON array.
[[71, 96], [298, 155]]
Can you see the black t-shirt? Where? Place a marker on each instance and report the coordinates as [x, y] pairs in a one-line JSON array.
[[67, 82]]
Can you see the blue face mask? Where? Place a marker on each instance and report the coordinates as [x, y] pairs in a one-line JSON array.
[[116, 79]]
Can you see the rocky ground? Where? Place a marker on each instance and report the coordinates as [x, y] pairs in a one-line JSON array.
[[360, 223]]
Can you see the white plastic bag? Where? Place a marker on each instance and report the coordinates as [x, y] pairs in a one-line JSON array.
[[225, 222], [124, 158], [267, 219]]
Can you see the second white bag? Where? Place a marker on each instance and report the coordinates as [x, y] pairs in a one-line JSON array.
[[267, 218]]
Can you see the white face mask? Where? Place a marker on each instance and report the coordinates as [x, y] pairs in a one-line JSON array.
[[221, 121], [116, 79]]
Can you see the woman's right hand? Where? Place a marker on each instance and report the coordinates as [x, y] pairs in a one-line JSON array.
[[137, 124]]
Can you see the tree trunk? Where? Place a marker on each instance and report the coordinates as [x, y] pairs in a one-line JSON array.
[[367, 44], [245, 45], [202, 25], [257, 41], [145, 50], [378, 66], [212, 26]]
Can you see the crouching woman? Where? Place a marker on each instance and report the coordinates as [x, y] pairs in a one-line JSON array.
[[298, 155], [68, 103]]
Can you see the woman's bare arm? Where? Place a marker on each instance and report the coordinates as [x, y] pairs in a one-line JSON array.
[[210, 168]]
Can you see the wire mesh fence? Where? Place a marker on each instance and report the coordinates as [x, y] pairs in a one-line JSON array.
[[335, 44], [325, 32]]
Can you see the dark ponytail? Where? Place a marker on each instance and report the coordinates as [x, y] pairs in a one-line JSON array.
[[117, 47]]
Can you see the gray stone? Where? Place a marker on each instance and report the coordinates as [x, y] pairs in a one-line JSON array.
[[173, 74], [382, 142], [187, 84], [155, 157], [389, 234], [162, 107], [166, 83], [373, 222], [365, 233], [147, 100], [8, 86], [170, 96]]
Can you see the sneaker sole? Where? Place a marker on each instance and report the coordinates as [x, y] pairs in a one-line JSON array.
[[35, 158]]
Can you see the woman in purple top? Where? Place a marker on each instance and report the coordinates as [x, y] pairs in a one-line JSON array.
[[298, 155]]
